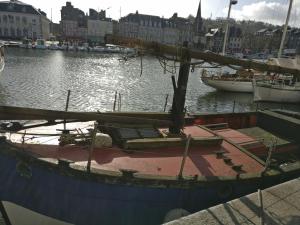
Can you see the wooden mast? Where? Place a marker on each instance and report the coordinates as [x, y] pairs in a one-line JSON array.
[[178, 106]]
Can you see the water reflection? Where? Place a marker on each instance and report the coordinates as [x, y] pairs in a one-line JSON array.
[[40, 79]]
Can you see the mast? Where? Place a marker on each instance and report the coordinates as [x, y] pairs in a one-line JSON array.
[[231, 2], [285, 29], [178, 105]]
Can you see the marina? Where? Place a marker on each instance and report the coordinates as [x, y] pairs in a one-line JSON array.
[[147, 119]]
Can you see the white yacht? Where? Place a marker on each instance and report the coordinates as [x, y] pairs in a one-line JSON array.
[[241, 81]]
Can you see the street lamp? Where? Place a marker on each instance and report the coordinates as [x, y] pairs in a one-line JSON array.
[[231, 2]]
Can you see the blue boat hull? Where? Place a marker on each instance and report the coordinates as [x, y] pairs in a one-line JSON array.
[[84, 201]]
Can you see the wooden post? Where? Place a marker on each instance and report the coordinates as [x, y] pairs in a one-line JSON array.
[[91, 150], [67, 106], [178, 105], [166, 102], [115, 102], [184, 156], [233, 108]]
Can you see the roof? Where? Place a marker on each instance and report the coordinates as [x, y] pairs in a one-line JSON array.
[[19, 7]]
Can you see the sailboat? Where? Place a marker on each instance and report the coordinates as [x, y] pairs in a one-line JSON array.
[[286, 89], [237, 83]]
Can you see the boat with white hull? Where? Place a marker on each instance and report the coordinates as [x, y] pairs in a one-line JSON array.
[[264, 91], [233, 85], [241, 81]]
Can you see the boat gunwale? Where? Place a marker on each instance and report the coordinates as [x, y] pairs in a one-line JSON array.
[[135, 179]]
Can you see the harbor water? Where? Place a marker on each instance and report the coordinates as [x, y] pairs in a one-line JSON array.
[[41, 79]]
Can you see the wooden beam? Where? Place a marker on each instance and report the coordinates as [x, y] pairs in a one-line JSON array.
[[18, 113], [210, 57]]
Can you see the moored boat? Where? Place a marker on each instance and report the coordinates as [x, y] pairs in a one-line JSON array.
[[26, 43], [133, 168], [238, 82], [40, 44], [276, 92]]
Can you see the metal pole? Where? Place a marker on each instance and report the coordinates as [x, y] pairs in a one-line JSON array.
[[262, 222], [285, 29], [226, 29], [185, 155]]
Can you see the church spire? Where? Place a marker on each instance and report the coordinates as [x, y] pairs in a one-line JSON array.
[[199, 11], [198, 20]]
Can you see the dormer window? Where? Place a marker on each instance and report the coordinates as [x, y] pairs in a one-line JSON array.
[[24, 9]]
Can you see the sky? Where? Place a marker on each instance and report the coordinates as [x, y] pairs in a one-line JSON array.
[[270, 11]]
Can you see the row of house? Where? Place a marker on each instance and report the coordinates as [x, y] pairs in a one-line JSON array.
[[75, 25], [20, 20]]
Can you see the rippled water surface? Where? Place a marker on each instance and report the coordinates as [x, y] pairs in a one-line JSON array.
[[41, 78]]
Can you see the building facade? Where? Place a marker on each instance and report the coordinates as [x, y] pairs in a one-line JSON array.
[[76, 26], [171, 31], [19, 20]]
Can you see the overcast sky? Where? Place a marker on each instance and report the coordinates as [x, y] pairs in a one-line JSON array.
[[272, 11]]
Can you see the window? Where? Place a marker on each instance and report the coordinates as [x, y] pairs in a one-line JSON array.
[[0, 31], [25, 32], [5, 32], [17, 19], [5, 18], [24, 20], [12, 32], [11, 18], [19, 34], [33, 21]]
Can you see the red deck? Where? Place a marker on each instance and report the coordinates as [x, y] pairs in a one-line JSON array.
[[201, 161]]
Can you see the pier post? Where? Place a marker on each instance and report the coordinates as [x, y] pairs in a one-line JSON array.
[[178, 106], [67, 106]]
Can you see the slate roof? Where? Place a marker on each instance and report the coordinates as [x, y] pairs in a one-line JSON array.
[[19, 7]]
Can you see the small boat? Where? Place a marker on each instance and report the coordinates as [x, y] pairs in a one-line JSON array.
[[241, 81], [54, 46], [26, 43], [281, 88], [40, 44], [98, 49], [283, 91]]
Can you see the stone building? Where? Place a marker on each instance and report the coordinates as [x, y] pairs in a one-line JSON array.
[[76, 26], [172, 31], [19, 20]]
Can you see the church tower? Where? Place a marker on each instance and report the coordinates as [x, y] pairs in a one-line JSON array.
[[198, 21]]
